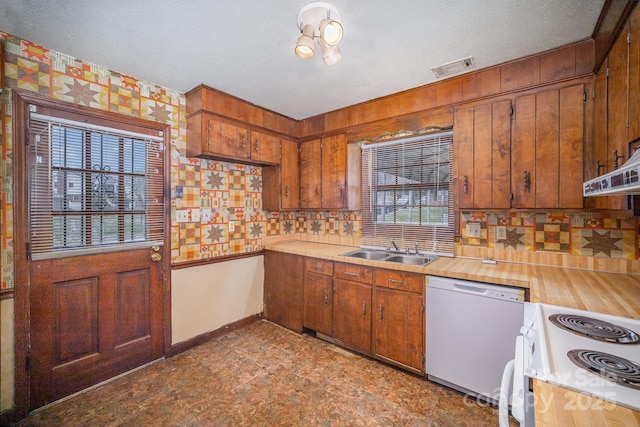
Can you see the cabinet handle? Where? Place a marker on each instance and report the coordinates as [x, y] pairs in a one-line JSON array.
[[326, 296], [381, 312], [527, 181], [398, 282], [350, 273], [318, 267], [364, 308], [615, 159], [339, 190], [242, 142], [208, 132], [286, 191], [466, 184], [315, 190], [600, 167], [257, 146]]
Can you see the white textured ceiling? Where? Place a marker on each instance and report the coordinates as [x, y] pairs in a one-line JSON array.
[[245, 47]]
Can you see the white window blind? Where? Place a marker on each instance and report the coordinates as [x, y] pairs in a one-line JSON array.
[[92, 188], [407, 194]]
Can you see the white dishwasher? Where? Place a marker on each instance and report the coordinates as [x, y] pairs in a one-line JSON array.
[[471, 332]]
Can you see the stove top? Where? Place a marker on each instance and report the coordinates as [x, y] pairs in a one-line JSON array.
[[592, 353]]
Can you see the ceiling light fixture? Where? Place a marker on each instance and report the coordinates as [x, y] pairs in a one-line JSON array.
[[322, 21]]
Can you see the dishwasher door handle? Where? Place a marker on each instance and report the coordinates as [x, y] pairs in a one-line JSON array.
[[471, 289]]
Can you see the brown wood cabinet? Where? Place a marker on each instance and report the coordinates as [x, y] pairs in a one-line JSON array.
[[547, 149], [281, 184], [210, 136], [398, 318], [265, 148], [330, 174], [318, 295], [482, 155], [283, 292], [352, 306]]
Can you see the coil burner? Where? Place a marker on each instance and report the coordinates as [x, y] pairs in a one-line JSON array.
[[595, 329], [617, 369]]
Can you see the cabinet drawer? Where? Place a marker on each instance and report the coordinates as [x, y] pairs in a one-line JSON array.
[[354, 273], [410, 282], [319, 266]]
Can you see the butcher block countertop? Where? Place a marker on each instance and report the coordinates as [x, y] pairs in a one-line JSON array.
[[610, 293]]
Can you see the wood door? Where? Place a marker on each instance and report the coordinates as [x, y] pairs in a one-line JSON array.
[[283, 294], [318, 303], [310, 174], [290, 171], [265, 147], [334, 172], [398, 327], [92, 317], [352, 314], [91, 224]]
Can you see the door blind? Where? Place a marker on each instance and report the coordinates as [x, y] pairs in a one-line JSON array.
[[407, 194], [92, 188]]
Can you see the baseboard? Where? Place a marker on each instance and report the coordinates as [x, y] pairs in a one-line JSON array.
[[202, 338]]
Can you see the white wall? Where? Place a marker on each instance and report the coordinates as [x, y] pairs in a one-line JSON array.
[[6, 355], [207, 297]]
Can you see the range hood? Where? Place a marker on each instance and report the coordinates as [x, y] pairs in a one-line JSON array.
[[624, 180]]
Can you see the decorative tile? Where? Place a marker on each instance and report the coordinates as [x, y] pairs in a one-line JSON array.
[[552, 237], [21, 73]]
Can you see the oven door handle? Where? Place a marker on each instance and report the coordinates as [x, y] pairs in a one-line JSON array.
[[505, 392]]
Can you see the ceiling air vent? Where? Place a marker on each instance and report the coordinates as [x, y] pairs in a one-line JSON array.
[[454, 67]]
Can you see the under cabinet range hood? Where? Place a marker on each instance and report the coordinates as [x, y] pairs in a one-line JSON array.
[[624, 180]]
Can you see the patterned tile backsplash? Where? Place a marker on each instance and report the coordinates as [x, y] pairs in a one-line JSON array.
[[220, 208], [591, 234]]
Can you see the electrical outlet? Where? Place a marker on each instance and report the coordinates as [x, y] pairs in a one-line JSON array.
[[501, 232], [473, 229], [232, 226], [179, 192], [182, 215], [206, 215]]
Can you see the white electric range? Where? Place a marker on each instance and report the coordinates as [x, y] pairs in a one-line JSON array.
[[592, 353]]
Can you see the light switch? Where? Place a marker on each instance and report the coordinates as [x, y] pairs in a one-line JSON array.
[[232, 226], [182, 215], [194, 215]]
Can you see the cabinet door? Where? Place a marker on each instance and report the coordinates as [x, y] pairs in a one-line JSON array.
[[283, 293], [398, 327], [290, 183], [352, 314], [203, 135], [334, 172], [234, 141], [318, 303], [548, 149], [310, 174], [265, 147], [482, 144]]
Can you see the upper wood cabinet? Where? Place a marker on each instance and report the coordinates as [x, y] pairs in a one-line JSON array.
[[265, 147], [482, 155], [281, 184], [330, 174], [547, 149], [210, 136]]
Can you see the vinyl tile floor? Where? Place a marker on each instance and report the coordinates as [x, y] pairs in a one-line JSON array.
[[265, 375]]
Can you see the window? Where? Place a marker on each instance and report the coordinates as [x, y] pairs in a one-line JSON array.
[[92, 188], [407, 193]]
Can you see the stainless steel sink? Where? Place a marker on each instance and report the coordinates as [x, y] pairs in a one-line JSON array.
[[367, 254], [375, 255], [409, 259]]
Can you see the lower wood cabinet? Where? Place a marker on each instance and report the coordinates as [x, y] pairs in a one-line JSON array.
[[352, 306], [374, 311], [283, 292], [399, 318], [318, 295]]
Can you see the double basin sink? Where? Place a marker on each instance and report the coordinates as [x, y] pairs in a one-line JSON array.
[[386, 256]]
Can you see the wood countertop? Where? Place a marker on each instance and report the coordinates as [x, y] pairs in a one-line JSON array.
[[610, 293]]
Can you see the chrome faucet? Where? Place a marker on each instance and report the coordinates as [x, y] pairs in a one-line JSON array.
[[395, 246]]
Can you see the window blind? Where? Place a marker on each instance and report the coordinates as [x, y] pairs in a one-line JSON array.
[[407, 194], [92, 188]]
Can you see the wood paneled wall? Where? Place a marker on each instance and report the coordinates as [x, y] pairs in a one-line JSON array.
[[433, 104]]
